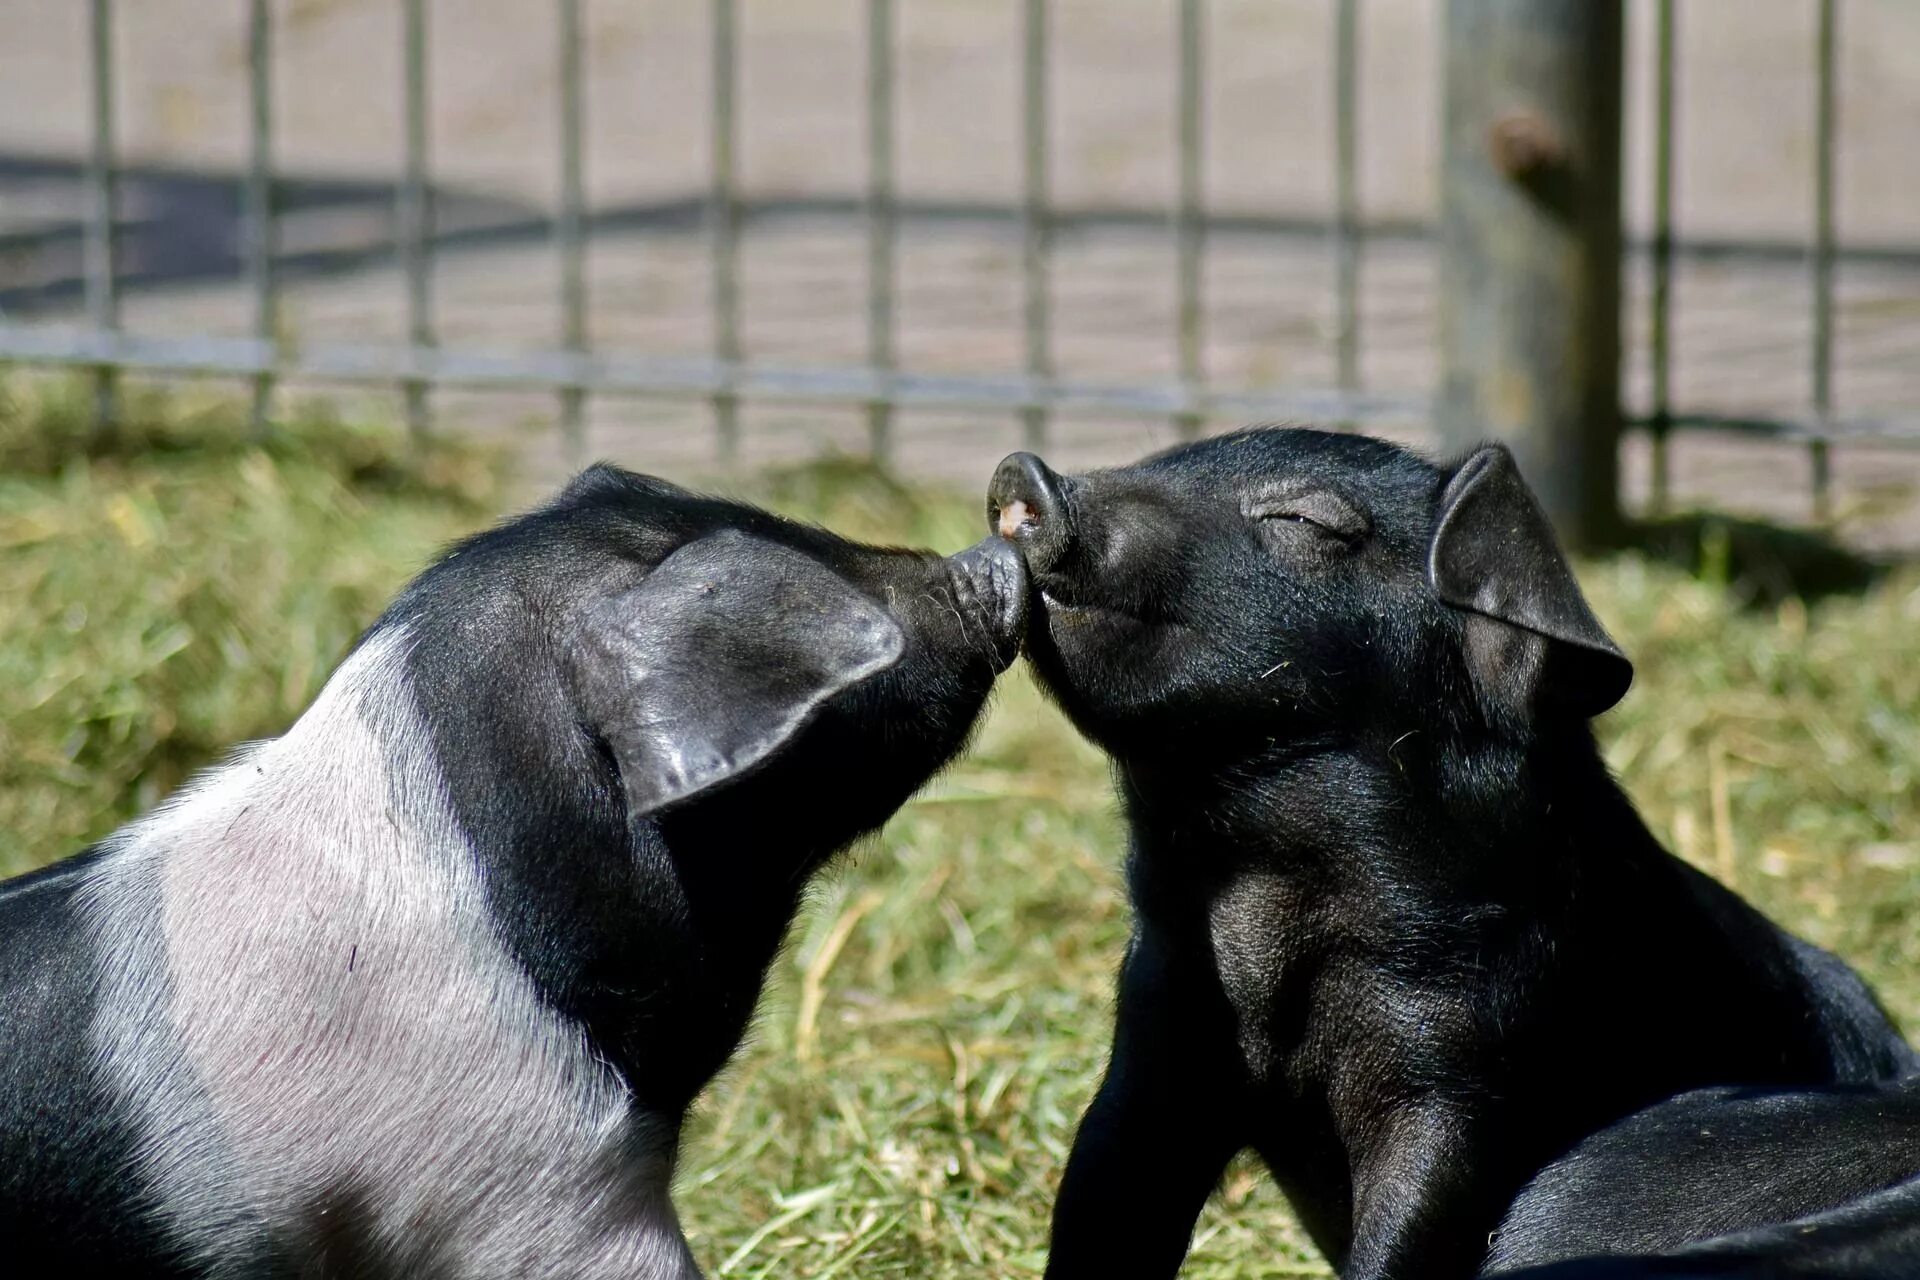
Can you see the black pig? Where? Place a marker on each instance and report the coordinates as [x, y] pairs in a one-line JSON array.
[[1396, 927]]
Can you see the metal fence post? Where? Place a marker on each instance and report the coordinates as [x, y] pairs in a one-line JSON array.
[[258, 197], [1825, 55], [1346, 197], [570, 231], [102, 269], [1530, 246], [1190, 217], [723, 244], [882, 231], [414, 217]]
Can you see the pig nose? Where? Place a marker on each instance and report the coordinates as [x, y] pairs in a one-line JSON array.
[[992, 576], [1026, 505]]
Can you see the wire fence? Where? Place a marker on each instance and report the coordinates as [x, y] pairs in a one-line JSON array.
[[573, 368], [1663, 416]]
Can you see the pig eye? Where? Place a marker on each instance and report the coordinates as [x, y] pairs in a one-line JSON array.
[[1319, 509]]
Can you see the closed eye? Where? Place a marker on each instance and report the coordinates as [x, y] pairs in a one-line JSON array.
[[1301, 517], [1324, 511]]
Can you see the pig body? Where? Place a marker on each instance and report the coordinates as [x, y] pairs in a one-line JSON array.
[[1395, 926], [1731, 1182], [425, 986]]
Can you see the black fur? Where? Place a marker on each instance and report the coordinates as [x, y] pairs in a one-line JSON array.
[[660, 931], [1874, 1238], [1396, 927], [650, 925], [69, 1186], [1732, 1182]]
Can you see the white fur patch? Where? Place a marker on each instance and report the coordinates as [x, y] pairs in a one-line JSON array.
[[307, 1004]]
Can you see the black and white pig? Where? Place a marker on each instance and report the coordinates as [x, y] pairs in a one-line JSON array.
[[1395, 926], [425, 986]]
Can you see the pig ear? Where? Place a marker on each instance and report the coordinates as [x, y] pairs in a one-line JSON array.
[[1532, 640], [717, 658]]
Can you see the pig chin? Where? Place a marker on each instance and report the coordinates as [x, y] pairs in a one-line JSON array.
[[1077, 654]]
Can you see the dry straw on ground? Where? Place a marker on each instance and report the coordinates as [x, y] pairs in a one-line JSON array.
[[939, 1018]]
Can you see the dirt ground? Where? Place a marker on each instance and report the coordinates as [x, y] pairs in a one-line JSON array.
[[1744, 158]]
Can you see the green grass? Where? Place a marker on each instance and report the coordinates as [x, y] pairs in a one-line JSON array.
[[178, 589], [930, 1036]]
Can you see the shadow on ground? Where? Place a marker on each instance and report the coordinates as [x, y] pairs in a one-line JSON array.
[[1759, 564]]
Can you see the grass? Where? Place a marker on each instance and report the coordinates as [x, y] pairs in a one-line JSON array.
[[177, 589], [940, 1018]]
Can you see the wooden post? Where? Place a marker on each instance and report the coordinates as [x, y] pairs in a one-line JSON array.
[[1529, 308]]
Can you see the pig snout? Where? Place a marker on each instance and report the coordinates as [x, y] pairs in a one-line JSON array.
[[990, 583], [1027, 507]]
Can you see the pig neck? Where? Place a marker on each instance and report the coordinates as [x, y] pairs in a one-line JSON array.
[[1479, 817]]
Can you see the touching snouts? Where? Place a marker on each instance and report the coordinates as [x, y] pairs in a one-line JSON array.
[[990, 582], [1026, 505]]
